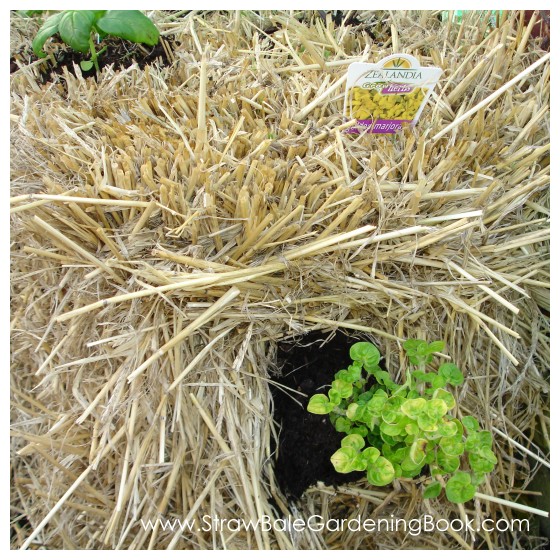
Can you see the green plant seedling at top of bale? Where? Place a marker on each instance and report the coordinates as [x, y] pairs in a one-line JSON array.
[[77, 28]]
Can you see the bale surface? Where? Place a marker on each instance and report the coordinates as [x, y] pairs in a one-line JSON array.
[[170, 225]]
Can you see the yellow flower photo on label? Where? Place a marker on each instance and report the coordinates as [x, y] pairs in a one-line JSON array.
[[372, 104], [385, 96]]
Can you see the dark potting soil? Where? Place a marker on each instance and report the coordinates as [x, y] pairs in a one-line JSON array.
[[119, 53], [307, 441]]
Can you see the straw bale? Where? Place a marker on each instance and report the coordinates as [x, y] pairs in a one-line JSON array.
[[170, 225]]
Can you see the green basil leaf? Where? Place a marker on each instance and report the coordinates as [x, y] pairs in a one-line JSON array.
[[131, 25], [48, 29], [75, 28]]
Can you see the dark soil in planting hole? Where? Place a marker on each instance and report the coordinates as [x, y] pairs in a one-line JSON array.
[[306, 440], [119, 53]]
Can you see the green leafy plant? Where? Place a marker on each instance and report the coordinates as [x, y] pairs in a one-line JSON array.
[[30, 13], [78, 27], [400, 430]]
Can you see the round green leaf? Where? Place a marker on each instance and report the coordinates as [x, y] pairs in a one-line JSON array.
[[343, 424], [483, 460], [361, 351], [427, 424], [343, 458], [438, 381], [319, 404], [451, 373], [410, 469], [452, 446], [471, 423], [364, 398], [431, 491], [86, 65], [352, 411], [459, 488], [412, 428], [390, 429], [457, 423], [342, 374], [447, 429], [371, 454], [376, 405], [390, 416], [390, 440], [131, 25], [355, 412], [446, 397], [359, 464], [344, 388], [334, 397], [353, 440], [436, 408], [381, 472], [413, 407], [476, 440], [424, 376], [360, 430], [411, 346], [447, 463], [436, 346]]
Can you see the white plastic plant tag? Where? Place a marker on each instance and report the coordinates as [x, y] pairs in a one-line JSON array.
[[385, 96]]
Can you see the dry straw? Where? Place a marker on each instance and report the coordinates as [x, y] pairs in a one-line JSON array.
[[170, 225]]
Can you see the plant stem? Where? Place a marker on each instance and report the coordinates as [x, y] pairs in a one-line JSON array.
[[94, 54]]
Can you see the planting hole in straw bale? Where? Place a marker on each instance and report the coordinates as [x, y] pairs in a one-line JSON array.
[[306, 442], [177, 225]]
